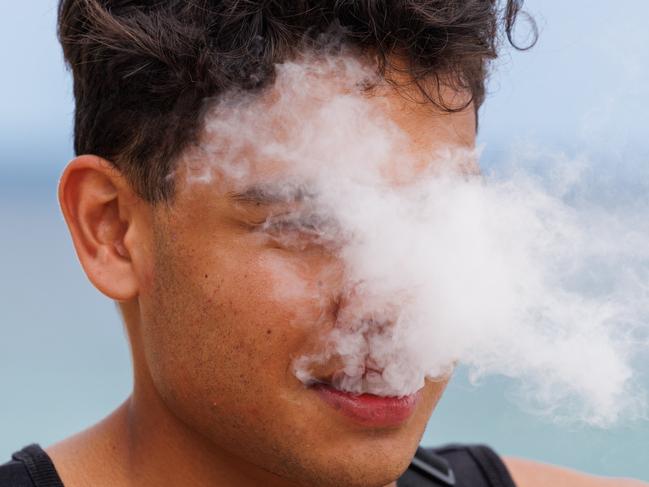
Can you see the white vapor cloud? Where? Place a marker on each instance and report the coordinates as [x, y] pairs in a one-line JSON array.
[[520, 275]]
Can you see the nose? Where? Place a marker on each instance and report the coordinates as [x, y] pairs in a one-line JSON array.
[[359, 311]]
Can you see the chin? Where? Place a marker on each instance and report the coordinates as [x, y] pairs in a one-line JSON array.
[[361, 467], [355, 456], [343, 439]]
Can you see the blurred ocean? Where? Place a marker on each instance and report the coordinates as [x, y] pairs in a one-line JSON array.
[[64, 360]]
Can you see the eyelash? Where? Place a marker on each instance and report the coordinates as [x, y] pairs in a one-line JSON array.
[[288, 224], [297, 233]]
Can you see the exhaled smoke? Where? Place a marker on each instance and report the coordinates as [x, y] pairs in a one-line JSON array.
[[439, 266]]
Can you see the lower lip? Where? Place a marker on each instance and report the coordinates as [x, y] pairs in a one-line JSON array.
[[368, 409]]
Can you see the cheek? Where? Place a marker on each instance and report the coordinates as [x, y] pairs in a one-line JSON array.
[[231, 323], [302, 288]]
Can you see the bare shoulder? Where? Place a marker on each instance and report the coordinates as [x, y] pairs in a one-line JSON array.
[[527, 473]]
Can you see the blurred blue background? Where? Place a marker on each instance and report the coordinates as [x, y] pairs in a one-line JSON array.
[[583, 91]]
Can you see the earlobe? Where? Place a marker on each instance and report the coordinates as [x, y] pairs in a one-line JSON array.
[[92, 195]]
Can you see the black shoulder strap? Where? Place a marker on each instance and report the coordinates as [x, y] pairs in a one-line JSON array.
[[491, 465], [456, 466], [14, 474], [428, 469], [39, 466]]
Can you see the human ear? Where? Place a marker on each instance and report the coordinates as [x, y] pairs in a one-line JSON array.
[[97, 204]]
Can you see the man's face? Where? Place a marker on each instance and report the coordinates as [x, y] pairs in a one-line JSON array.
[[227, 308]]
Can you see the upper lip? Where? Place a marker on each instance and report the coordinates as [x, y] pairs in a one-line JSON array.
[[330, 378], [369, 380]]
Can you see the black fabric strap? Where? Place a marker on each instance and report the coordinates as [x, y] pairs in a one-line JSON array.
[[14, 474], [427, 470], [39, 466], [476, 466], [433, 467], [457, 466], [492, 466]]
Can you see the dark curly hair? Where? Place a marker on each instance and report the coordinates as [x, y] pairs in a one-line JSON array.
[[143, 68]]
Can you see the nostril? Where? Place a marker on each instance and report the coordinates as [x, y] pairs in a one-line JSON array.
[[372, 366], [337, 304]]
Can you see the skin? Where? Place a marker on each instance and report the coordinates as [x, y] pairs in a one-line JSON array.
[[214, 401]]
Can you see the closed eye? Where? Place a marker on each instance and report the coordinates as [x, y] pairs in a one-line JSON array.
[[298, 232]]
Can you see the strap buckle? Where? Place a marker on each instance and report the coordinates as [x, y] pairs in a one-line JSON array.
[[434, 467]]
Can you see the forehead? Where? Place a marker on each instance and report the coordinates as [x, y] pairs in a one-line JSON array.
[[320, 115]]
